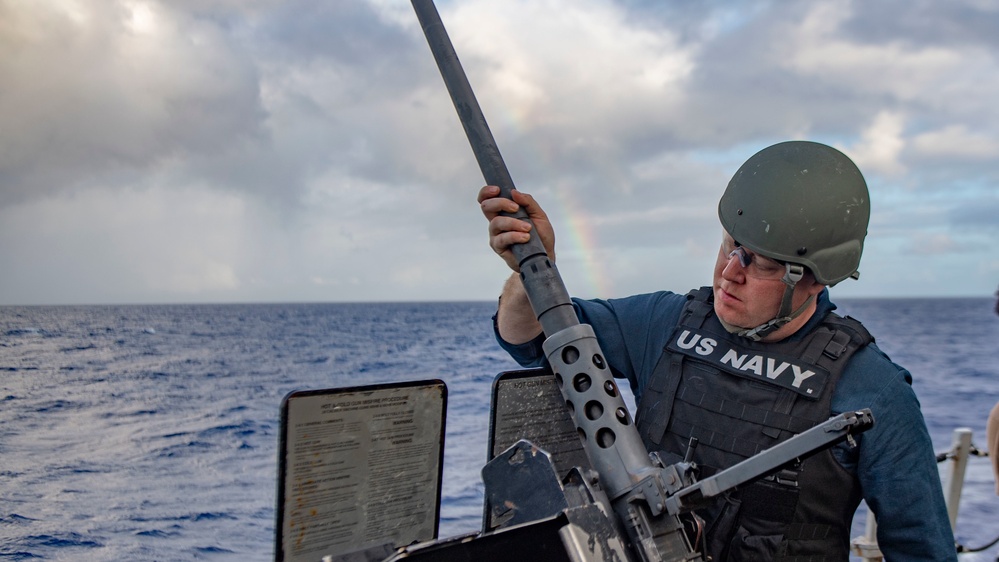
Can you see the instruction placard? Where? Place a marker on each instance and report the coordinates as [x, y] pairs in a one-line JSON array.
[[360, 467], [528, 405]]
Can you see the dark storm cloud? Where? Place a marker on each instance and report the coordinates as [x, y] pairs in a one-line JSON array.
[[925, 22], [98, 101], [94, 97], [341, 78], [353, 33]]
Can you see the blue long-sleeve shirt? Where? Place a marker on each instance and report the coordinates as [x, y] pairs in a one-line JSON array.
[[894, 461]]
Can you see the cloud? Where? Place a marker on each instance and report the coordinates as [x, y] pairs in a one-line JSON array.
[[929, 244], [972, 210], [109, 91], [294, 150], [869, 64], [881, 144], [172, 242], [957, 142]]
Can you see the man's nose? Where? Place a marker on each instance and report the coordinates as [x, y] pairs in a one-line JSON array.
[[733, 270]]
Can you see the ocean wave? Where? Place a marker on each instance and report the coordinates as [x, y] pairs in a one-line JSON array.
[[214, 550], [15, 520], [67, 540], [15, 332], [244, 429], [11, 553], [56, 406], [156, 533], [82, 347], [184, 449]]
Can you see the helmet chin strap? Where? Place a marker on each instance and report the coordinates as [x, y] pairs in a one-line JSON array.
[[791, 277]]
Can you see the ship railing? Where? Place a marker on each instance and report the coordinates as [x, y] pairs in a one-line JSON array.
[[962, 449]]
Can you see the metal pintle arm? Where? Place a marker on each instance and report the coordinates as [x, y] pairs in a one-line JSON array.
[[835, 429]]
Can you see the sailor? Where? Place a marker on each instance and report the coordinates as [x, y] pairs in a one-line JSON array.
[[760, 356], [992, 435], [992, 430]]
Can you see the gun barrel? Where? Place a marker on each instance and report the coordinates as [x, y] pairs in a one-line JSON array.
[[543, 284]]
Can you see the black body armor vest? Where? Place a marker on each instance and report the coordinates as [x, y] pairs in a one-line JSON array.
[[740, 397]]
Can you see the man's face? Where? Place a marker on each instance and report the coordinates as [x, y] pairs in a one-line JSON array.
[[749, 295]]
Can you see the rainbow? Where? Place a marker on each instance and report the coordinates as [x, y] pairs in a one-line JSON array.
[[582, 243], [574, 227]]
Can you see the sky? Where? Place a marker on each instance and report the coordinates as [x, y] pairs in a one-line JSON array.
[[276, 151]]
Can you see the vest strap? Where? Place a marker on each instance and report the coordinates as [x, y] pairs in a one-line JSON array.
[[808, 532], [656, 405], [743, 447]]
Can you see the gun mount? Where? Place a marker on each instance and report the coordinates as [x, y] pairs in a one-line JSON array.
[[536, 507]]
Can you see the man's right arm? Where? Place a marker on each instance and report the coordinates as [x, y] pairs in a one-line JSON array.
[[515, 319]]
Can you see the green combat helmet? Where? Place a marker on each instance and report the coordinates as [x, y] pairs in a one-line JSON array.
[[804, 204]]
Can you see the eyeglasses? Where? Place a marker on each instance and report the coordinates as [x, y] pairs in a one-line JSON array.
[[755, 265]]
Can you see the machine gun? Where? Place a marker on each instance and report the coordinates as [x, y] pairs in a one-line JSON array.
[[640, 496]]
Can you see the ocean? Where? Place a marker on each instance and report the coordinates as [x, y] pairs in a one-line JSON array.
[[151, 432]]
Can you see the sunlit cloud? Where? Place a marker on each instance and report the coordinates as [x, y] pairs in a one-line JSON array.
[[957, 142], [881, 144]]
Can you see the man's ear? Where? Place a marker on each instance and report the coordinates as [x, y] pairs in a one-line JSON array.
[[811, 286], [815, 289]]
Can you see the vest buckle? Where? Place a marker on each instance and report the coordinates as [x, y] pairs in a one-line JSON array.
[[785, 477]]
